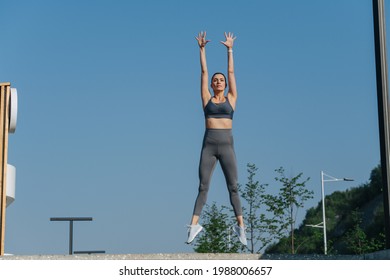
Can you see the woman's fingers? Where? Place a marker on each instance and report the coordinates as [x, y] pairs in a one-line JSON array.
[[229, 36], [202, 38]]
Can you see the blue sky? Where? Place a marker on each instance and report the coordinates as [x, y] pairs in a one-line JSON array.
[[110, 121]]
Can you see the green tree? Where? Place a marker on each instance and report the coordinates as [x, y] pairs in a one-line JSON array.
[[217, 235], [358, 241], [285, 206], [347, 232], [257, 223]]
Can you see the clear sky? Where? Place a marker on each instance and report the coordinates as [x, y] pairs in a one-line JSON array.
[[110, 121]]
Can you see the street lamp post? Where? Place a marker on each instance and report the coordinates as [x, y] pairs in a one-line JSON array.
[[330, 179], [71, 220]]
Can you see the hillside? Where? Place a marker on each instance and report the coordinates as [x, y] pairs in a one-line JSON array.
[[354, 220]]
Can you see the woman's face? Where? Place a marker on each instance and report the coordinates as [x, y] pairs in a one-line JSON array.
[[218, 82]]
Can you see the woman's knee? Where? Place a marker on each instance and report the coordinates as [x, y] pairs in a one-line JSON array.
[[233, 189], [203, 188]]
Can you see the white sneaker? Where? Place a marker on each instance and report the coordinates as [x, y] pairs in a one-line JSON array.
[[193, 231], [241, 234]]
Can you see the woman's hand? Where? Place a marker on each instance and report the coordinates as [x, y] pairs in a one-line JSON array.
[[229, 40], [202, 39]]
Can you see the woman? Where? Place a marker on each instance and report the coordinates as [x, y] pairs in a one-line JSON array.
[[218, 139]]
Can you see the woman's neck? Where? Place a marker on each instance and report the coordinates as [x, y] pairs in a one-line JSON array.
[[219, 95]]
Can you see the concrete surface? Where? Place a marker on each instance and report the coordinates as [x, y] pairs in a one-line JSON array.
[[380, 255], [179, 256]]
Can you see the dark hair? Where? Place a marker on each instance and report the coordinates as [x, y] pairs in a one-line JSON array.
[[212, 78]]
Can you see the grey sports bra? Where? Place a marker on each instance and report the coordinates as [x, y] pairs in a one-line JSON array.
[[219, 110]]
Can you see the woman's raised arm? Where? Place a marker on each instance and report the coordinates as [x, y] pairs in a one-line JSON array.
[[205, 93], [232, 91]]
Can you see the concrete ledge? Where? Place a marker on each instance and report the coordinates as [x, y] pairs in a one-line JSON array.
[[380, 255], [179, 256]]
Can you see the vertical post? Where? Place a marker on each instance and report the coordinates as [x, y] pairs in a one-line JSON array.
[[71, 237], [291, 223], [323, 212], [71, 220], [383, 114], [4, 123]]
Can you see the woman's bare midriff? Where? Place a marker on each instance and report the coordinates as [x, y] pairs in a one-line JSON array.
[[219, 123]]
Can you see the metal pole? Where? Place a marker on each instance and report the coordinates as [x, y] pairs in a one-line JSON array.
[[71, 237], [5, 89], [382, 93], [71, 220], [323, 212]]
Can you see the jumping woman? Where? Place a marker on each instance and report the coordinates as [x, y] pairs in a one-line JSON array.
[[218, 139]]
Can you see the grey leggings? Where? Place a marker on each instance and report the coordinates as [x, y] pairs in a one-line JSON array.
[[218, 145]]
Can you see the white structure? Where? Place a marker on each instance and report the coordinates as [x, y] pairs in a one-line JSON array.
[[11, 176], [323, 180]]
